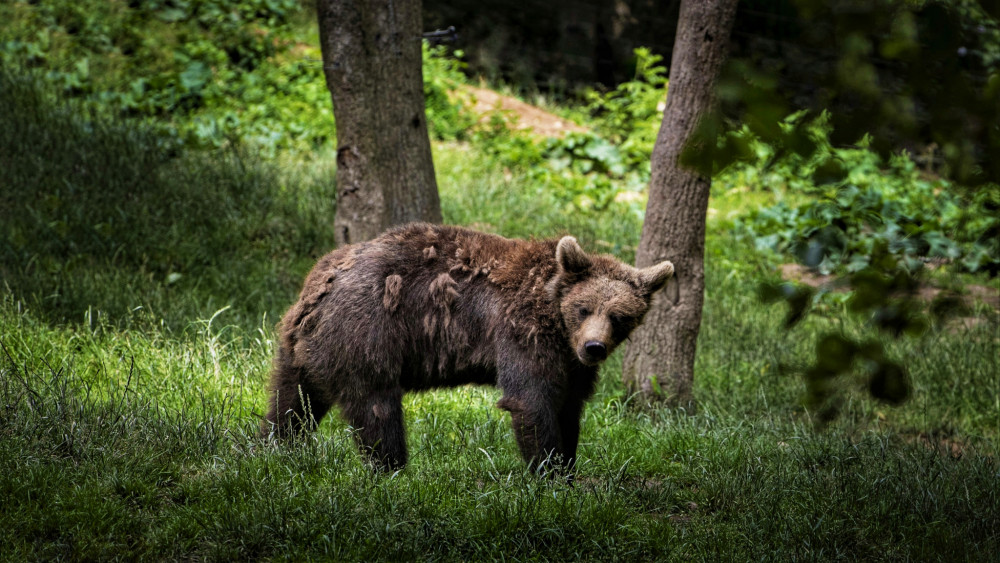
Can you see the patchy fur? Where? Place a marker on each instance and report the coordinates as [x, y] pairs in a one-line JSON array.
[[390, 300], [426, 306]]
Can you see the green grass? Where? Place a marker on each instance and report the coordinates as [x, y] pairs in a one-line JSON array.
[[139, 444], [480, 192], [129, 396]]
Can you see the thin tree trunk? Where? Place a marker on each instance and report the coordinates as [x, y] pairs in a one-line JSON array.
[[659, 360], [372, 61]]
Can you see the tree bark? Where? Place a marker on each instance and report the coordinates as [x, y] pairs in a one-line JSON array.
[[659, 360], [372, 61]]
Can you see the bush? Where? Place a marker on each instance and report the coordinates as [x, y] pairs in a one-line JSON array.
[[915, 218], [204, 73]]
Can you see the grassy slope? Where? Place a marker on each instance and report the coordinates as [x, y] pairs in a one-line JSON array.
[[129, 393]]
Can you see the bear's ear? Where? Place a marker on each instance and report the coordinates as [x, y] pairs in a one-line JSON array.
[[570, 257], [654, 277]]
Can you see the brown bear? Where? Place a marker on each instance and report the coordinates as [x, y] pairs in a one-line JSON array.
[[426, 306]]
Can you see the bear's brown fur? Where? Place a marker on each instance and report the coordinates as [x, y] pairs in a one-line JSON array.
[[426, 306]]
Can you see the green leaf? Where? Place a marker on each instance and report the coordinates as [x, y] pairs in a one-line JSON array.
[[172, 15], [195, 76], [835, 353], [889, 382], [831, 171]]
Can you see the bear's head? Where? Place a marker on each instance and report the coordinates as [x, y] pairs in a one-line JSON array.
[[601, 299]]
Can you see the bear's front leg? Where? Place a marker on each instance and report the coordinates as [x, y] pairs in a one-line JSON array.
[[531, 401], [378, 422], [569, 429], [581, 386], [536, 432]]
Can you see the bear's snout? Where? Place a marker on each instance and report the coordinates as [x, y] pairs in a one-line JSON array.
[[596, 351], [593, 340]]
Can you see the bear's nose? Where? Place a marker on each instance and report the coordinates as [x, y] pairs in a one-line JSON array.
[[596, 350]]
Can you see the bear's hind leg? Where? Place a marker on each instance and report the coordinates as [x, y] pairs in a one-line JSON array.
[[294, 405], [377, 419]]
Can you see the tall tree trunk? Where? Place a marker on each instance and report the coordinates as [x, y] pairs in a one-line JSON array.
[[372, 61], [659, 360]]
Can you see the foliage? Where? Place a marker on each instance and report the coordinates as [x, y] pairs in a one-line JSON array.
[[981, 27], [630, 115], [877, 225], [917, 220], [584, 170], [206, 73], [590, 169], [447, 114], [625, 123], [881, 240], [172, 60]]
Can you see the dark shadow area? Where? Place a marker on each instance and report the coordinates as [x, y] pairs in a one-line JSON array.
[[103, 215]]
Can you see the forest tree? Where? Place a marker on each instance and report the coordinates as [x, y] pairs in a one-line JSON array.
[[372, 62], [659, 360]]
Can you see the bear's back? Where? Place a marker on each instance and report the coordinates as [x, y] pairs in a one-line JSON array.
[[432, 299]]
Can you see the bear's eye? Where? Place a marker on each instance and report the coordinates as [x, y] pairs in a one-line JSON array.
[[622, 323], [584, 312]]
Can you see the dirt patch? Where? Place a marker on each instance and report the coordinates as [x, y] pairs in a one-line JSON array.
[[985, 294], [801, 274], [528, 117]]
